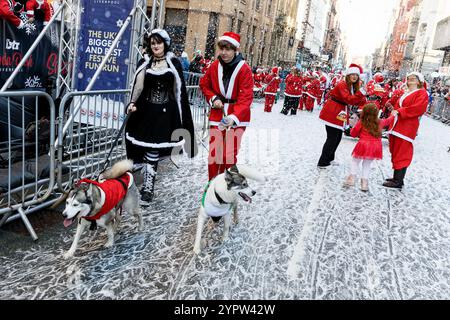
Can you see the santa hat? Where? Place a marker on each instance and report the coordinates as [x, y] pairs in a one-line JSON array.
[[354, 69], [232, 38], [417, 74], [378, 77], [275, 70], [163, 34]]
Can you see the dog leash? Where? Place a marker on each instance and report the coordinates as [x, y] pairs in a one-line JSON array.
[[119, 134]]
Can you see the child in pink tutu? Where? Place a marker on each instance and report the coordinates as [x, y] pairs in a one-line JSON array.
[[369, 146]]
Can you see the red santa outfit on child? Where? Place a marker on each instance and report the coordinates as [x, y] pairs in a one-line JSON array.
[[232, 83]]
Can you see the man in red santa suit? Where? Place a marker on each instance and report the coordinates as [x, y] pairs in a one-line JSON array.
[[228, 88], [43, 5], [335, 112], [409, 108], [8, 8], [306, 80], [272, 82], [376, 92], [293, 92], [313, 93]]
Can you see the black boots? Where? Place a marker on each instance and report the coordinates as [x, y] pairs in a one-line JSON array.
[[148, 186], [285, 111], [397, 181]]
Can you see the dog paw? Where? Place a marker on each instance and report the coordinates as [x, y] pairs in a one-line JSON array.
[[225, 237]]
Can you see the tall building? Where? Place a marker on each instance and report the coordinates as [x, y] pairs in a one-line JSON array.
[[442, 42], [332, 34], [425, 58], [312, 21], [284, 42], [400, 35], [196, 25]]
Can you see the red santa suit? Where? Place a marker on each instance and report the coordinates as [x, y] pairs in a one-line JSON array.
[[368, 146], [43, 5], [306, 80], [313, 94], [403, 131], [237, 101], [323, 86], [7, 13], [273, 83], [340, 98], [258, 79], [293, 86], [112, 192], [377, 94]]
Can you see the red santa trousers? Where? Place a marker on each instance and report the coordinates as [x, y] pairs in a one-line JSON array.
[[309, 103], [401, 152], [223, 149], [270, 99], [301, 104]]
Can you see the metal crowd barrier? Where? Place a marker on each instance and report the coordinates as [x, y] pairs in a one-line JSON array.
[[439, 109], [192, 79], [27, 154], [85, 138], [83, 143]]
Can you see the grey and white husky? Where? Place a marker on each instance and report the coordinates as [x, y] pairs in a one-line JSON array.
[[221, 197], [101, 203]]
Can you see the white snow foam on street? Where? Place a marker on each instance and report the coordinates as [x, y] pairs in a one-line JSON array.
[[303, 237]]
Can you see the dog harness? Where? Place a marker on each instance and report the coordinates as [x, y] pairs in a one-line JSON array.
[[212, 210], [112, 192]]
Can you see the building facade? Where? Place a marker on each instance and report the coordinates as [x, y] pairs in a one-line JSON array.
[[267, 27]]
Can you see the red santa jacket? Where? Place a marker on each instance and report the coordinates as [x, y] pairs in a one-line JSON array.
[[240, 89], [323, 82], [340, 96], [258, 79], [7, 13], [273, 83], [39, 5], [313, 89], [412, 105], [293, 86], [114, 191], [377, 94]]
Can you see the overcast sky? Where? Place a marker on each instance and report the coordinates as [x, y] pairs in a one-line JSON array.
[[365, 23]]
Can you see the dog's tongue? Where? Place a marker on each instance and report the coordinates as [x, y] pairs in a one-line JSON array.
[[67, 222], [246, 197]]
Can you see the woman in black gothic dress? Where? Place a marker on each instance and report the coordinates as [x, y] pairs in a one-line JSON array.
[[161, 118]]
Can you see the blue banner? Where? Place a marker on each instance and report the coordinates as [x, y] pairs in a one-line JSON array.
[[101, 21]]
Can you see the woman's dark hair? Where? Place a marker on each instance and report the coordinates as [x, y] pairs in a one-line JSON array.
[[356, 86], [158, 40]]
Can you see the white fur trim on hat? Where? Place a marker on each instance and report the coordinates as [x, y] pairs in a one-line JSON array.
[[353, 70], [230, 40], [163, 34], [417, 74]]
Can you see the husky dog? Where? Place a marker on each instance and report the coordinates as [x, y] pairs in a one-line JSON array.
[[101, 203], [221, 196]]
